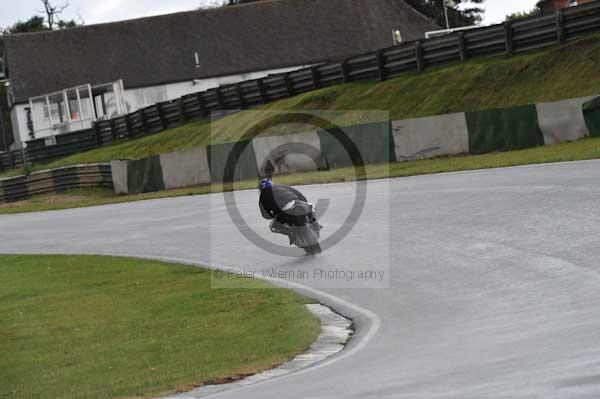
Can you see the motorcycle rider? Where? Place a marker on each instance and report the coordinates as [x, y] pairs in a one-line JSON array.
[[272, 199]]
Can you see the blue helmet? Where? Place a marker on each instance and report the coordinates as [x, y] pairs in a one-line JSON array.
[[265, 183]]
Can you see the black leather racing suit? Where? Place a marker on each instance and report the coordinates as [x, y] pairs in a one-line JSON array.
[[272, 200]]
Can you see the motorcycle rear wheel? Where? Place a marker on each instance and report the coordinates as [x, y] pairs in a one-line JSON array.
[[313, 249]]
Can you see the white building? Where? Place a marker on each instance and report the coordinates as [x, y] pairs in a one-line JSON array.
[[63, 80]]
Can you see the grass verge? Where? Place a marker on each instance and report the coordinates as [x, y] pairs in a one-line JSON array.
[[588, 148], [479, 83], [106, 327]]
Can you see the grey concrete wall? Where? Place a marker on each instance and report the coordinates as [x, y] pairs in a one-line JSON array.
[[185, 168], [562, 121], [119, 176], [288, 154], [430, 137]]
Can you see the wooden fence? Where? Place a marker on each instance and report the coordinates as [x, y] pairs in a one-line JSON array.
[[509, 38], [55, 180]]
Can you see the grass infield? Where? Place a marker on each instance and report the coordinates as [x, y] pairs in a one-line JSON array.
[[107, 327]]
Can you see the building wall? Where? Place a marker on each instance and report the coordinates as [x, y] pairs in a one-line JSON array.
[[144, 96], [141, 97]]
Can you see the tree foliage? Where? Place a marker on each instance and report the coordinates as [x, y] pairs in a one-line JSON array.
[[521, 15], [38, 23], [33, 24], [537, 10], [460, 12]]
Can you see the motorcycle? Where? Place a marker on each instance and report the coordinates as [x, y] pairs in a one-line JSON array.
[[301, 225]]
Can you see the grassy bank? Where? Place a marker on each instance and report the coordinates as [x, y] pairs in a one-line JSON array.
[[480, 83], [104, 327], [585, 149]]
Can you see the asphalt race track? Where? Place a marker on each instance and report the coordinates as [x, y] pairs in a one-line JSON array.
[[494, 278]]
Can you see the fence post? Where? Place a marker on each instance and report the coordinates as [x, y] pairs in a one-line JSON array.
[[12, 159], [462, 49], [261, 91], [143, 120], [345, 71], [560, 26], [508, 38], [419, 56], [182, 115], [288, 84], [380, 59], [113, 131], [24, 157], [219, 95], [316, 77], [161, 115], [240, 96], [128, 125], [201, 107], [97, 134]]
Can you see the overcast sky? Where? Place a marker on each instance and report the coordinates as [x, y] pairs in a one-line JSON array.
[[96, 11]]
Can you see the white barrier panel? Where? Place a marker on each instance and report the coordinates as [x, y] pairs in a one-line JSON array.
[[185, 168], [562, 121], [288, 154], [430, 137], [119, 176]]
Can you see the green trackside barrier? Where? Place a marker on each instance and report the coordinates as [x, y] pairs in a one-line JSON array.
[[218, 154], [145, 175], [591, 114], [374, 142], [504, 129]]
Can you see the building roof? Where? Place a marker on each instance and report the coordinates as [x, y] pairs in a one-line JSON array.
[[230, 40]]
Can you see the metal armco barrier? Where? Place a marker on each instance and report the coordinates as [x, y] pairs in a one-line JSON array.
[[55, 180]]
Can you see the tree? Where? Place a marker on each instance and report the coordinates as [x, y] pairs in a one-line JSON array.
[[458, 14], [33, 24], [537, 10], [68, 24], [53, 12], [38, 23], [521, 15]]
